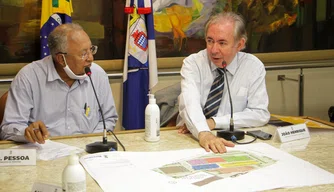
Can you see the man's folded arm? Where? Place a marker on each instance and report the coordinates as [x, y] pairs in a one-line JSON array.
[[13, 132]]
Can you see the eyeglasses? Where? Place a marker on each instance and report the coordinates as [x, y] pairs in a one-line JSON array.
[[84, 55]]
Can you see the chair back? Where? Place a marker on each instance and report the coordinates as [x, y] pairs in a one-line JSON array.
[[168, 104], [3, 100]]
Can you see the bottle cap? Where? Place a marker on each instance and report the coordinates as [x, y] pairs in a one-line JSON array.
[[151, 99], [73, 159]]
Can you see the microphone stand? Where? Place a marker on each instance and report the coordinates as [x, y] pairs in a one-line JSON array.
[[230, 135], [105, 145]]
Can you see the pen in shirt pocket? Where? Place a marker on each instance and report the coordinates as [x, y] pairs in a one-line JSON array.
[[87, 111]]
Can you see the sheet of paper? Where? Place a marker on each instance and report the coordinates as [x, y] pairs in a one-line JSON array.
[[50, 149], [132, 171], [136, 171]]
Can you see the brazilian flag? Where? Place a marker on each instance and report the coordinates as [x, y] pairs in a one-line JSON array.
[[54, 13]]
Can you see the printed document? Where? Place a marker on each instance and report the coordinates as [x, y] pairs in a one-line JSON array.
[[253, 167], [50, 149]]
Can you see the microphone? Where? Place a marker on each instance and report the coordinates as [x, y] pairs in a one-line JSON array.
[[104, 145], [231, 135]]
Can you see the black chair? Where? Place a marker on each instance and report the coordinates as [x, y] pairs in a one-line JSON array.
[[331, 114]]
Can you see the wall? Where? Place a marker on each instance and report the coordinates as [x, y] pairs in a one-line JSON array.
[[318, 92]]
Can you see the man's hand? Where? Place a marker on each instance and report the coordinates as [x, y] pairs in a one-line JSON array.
[[36, 132], [183, 129], [217, 145]]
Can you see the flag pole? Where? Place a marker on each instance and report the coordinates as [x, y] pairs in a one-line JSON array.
[[125, 66]]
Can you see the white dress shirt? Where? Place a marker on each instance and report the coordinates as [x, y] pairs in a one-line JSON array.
[[246, 77], [38, 93]]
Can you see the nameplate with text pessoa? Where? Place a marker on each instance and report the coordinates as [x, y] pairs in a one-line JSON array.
[[293, 132], [15, 157]]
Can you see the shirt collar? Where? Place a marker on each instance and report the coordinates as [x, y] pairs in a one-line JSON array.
[[52, 72], [232, 67]]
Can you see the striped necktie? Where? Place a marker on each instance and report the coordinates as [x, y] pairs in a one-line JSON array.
[[215, 96]]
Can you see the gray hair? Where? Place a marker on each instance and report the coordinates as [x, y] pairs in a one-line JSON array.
[[57, 39], [238, 20]]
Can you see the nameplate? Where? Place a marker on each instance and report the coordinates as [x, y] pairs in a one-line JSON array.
[[15, 157], [293, 132]]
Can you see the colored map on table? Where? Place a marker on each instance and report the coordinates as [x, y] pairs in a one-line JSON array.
[[205, 169]]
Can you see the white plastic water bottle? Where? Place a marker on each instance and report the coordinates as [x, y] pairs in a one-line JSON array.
[[152, 120], [74, 176]]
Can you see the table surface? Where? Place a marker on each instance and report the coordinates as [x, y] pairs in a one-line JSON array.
[[318, 151]]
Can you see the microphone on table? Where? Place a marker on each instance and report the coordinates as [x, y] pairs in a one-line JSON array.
[[231, 135], [105, 145]]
